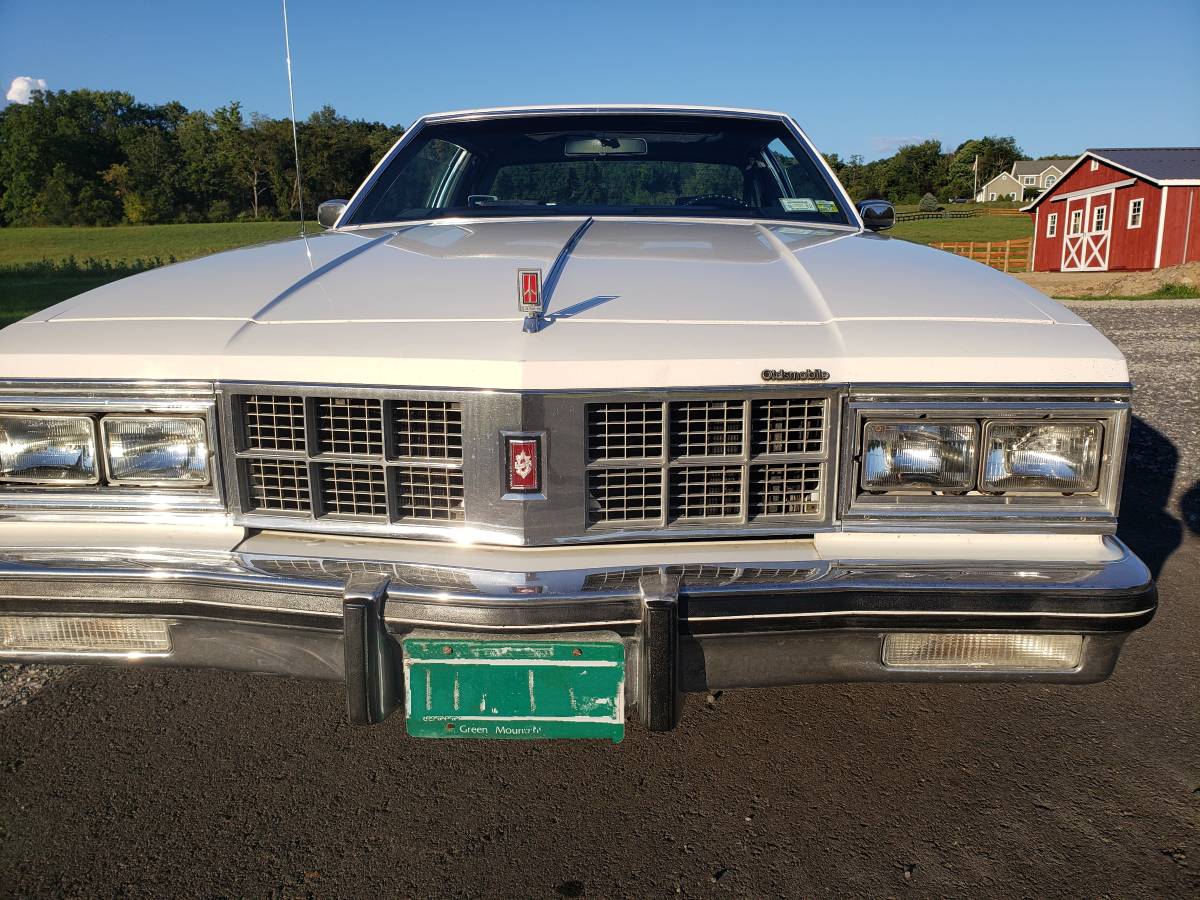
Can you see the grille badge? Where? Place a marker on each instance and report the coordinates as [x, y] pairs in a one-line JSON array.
[[524, 464]]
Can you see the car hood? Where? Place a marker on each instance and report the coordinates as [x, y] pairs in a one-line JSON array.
[[639, 303]]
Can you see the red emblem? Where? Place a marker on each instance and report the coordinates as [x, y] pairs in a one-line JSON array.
[[529, 290], [524, 473]]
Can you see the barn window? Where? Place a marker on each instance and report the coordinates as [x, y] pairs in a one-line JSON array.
[[1052, 225], [1099, 218], [1094, 166], [1077, 221], [1135, 213]]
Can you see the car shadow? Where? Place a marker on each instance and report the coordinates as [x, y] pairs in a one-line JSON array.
[[1146, 523], [1189, 507]]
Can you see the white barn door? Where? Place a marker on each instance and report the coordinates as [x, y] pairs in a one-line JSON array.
[[1088, 233]]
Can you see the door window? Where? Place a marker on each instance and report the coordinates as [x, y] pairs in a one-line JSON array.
[[1100, 218], [1077, 221]]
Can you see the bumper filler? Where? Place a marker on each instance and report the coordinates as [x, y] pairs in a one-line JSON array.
[[686, 628]]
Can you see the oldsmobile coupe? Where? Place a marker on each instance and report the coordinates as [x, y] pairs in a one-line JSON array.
[[570, 411]]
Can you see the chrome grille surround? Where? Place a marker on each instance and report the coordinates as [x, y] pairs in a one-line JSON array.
[[617, 465]]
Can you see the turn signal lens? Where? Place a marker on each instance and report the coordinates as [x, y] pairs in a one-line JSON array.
[[48, 449], [148, 451], [1059, 652], [1039, 456], [919, 455], [83, 634]]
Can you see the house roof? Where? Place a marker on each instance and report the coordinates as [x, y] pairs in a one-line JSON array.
[[1038, 166], [1157, 163]]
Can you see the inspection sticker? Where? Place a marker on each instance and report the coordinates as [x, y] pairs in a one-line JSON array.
[[797, 204], [826, 206]]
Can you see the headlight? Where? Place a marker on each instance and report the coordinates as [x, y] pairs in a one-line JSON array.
[[921, 455], [1040, 456], [150, 450], [48, 449]]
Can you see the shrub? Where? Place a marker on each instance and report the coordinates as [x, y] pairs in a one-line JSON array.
[[929, 203]]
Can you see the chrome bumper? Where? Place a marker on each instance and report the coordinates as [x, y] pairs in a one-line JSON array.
[[690, 628]]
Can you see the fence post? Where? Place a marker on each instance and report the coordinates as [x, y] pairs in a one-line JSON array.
[[1007, 249]]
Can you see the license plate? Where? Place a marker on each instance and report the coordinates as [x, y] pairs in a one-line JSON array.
[[514, 690]]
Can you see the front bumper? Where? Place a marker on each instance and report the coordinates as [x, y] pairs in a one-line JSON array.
[[689, 627]]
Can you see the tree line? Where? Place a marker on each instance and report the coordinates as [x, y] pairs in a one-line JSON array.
[[101, 158], [88, 157]]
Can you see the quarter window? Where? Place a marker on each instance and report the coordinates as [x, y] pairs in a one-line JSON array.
[[1051, 225], [1135, 213], [1100, 218]]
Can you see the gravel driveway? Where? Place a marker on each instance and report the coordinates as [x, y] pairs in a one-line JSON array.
[[161, 783]]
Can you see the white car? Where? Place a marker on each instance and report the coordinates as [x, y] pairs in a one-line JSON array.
[[571, 410]]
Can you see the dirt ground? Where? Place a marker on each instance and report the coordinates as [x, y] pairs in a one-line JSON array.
[[1112, 284]]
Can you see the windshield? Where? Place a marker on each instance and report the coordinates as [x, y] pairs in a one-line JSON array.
[[594, 165]]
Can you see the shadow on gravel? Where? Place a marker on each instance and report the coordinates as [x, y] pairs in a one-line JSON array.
[[1189, 506], [1146, 525]]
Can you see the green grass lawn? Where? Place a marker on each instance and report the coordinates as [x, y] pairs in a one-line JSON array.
[[978, 228], [21, 246], [42, 266]]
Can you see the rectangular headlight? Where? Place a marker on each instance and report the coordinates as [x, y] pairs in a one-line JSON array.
[[152, 451], [919, 455], [1042, 456], [48, 449]]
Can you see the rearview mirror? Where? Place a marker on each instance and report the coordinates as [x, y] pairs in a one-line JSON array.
[[877, 215], [329, 212], [606, 146]]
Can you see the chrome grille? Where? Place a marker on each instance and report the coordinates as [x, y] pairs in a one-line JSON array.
[[426, 429], [280, 485], [625, 430], [338, 570], [377, 460], [615, 465], [625, 495], [350, 426], [273, 423], [352, 490], [428, 494], [720, 460]]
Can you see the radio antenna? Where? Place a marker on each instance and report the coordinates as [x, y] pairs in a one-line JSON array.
[[287, 47]]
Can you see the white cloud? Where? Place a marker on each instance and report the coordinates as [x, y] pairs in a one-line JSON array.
[[22, 86]]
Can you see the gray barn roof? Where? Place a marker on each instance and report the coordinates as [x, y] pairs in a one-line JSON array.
[[1038, 166], [1158, 163]]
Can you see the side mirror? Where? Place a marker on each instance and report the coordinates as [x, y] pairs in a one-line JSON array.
[[877, 215], [329, 211]]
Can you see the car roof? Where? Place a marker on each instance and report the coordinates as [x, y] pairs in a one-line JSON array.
[[584, 108]]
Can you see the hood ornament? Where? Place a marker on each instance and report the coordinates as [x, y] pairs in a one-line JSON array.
[[530, 299], [532, 295]]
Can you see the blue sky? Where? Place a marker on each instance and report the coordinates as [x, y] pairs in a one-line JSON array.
[[862, 77]]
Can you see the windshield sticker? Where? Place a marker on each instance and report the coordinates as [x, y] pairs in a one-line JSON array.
[[827, 206], [797, 204]]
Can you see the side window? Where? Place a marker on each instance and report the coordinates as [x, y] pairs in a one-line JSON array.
[[1135, 214], [420, 182], [1051, 225]]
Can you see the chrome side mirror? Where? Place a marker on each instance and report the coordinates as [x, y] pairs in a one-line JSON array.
[[877, 215], [329, 212]]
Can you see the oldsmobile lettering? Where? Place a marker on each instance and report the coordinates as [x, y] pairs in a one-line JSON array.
[[349, 457], [795, 375]]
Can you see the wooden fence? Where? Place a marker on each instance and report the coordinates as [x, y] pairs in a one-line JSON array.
[[958, 214], [1007, 256]]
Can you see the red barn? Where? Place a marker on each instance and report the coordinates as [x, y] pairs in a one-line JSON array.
[[1120, 209]]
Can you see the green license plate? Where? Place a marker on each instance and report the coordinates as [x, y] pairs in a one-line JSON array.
[[514, 690]]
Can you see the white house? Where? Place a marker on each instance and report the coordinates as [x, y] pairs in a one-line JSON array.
[[1038, 174]]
